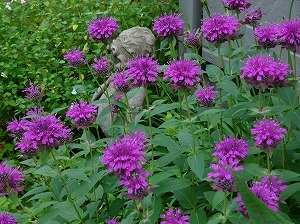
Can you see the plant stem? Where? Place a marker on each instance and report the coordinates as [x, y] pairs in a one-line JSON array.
[[129, 109], [65, 186], [268, 163], [150, 127], [225, 204], [220, 73], [260, 102], [295, 82], [191, 124], [229, 58], [291, 8]]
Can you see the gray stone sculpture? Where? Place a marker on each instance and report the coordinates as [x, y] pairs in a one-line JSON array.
[[135, 41]]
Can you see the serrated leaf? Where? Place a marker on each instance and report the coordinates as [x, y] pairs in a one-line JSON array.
[[171, 184], [76, 174], [42, 195], [185, 198], [229, 87], [46, 171], [196, 163], [35, 190], [163, 108], [168, 158]]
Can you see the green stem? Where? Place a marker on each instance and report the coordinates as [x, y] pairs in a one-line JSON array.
[[260, 101], [129, 109], [291, 8], [65, 186], [220, 73], [150, 126], [225, 204], [229, 58], [268, 163], [89, 142], [172, 49], [191, 124]]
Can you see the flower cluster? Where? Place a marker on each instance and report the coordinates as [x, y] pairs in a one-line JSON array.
[[168, 25], [125, 158], [268, 134], [83, 114], [267, 35], [262, 72], [7, 219], [120, 82], [290, 35], [193, 39], [142, 70], [33, 92], [229, 152], [17, 128], [113, 221], [102, 29], [236, 4], [268, 190], [10, 180], [253, 16], [177, 218], [101, 66], [75, 58], [183, 74], [206, 95], [220, 28]]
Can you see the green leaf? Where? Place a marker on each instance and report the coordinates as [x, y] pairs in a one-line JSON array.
[[46, 171], [116, 206], [76, 174], [171, 184], [166, 141], [35, 190], [158, 177], [42, 195], [92, 207], [196, 163], [163, 108], [293, 188], [157, 207], [217, 199], [198, 218], [168, 158], [258, 211], [229, 87], [185, 198], [213, 72], [241, 50]]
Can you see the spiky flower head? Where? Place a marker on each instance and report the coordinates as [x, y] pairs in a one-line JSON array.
[[142, 70], [102, 30], [113, 221], [75, 58], [101, 67], [7, 219], [290, 35], [33, 92], [17, 128], [83, 114], [183, 74], [27, 147], [38, 111], [168, 25], [262, 72], [120, 82], [193, 39], [268, 134], [10, 180], [174, 218], [205, 96], [253, 16], [236, 4], [268, 190], [220, 28], [267, 35]]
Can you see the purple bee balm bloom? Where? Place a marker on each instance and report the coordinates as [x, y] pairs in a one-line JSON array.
[[103, 29], [33, 93], [75, 58], [114, 107], [168, 25], [267, 190], [290, 35], [17, 128], [222, 179], [35, 111], [253, 16], [27, 147], [113, 221], [10, 180], [46, 131], [120, 82], [83, 114], [183, 74], [142, 70], [193, 39], [267, 35], [220, 28], [126, 154], [7, 219], [176, 218], [236, 4], [231, 150], [101, 66], [268, 134], [205, 96], [262, 72]]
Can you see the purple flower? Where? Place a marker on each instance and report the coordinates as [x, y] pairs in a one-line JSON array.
[[262, 71], [45, 132], [176, 218], [113, 221], [113, 106], [205, 96], [142, 70], [231, 150], [236, 4], [17, 128], [27, 147], [220, 28], [267, 190], [193, 39], [168, 25], [101, 66], [126, 154], [183, 74], [35, 111], [83, 114], [290, 35], [120, 82], [103, 29], [33, 93], [221, 178], [267, 35], [10, 180], [253, 16], [75, 58], [7, 219], [268, 134]]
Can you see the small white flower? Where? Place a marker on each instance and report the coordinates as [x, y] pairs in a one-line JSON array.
[[74, 92], [8, 6]]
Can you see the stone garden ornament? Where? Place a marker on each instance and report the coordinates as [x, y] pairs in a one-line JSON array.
[[136, 41]]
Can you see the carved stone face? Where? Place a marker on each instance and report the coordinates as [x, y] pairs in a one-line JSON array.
[[132, 42]]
